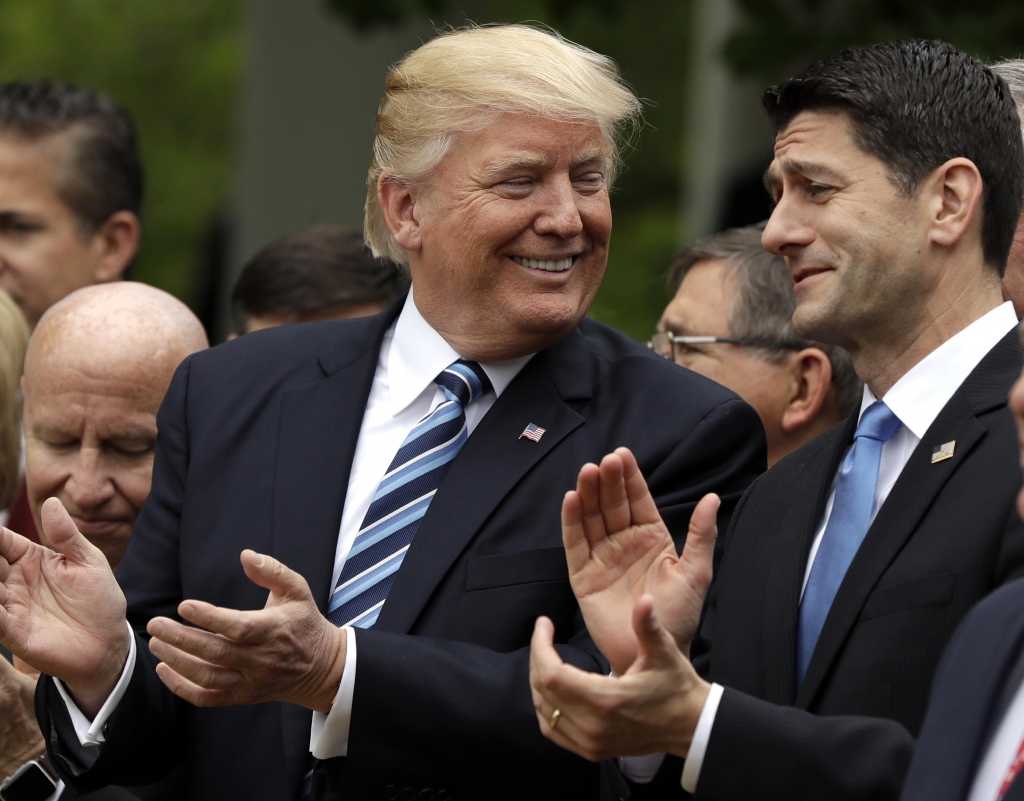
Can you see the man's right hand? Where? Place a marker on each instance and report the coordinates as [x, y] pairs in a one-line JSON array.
[[63, 612], [618, 549], [20, 738]]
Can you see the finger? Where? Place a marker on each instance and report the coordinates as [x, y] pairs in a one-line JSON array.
[[195, 695], [642, 508], [614, 502], [577, 547], [13, 547], [246, 627], [588, 487], [272, 575], [198, 671], [655, 646], [697, 560], [65, 537], [212, 648]]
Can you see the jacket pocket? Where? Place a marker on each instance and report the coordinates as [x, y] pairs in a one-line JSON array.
[[522, 567], [924, 591]]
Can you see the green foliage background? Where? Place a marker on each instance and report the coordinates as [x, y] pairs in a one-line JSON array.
[[175, 66]]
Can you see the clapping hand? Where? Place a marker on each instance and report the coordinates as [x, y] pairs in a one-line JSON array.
[[619, 549], [62, 611], [286, 651]]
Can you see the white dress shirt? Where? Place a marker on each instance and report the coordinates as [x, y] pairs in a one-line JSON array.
[[916, 399], [412, 355]]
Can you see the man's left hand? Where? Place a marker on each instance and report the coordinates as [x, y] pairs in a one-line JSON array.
[[651, 709], [286, 651]]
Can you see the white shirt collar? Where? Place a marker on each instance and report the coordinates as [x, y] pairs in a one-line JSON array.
[[418, 354], [918, 397]]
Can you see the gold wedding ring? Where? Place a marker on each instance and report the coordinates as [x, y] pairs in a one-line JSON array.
[[554, 718]]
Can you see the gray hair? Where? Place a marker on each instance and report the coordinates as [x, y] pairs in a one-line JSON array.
[[764, 301], [1012, 71]]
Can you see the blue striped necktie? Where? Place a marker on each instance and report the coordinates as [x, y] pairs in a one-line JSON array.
[[847, 526], [402, 499]]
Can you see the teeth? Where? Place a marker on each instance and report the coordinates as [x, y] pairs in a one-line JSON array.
[[552, 266]]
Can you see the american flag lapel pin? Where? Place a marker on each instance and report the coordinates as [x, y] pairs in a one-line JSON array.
[[533, 432], [943, 451]]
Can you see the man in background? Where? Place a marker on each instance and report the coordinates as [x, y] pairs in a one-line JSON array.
[[70, 192], [97, 368], [318, 274], [731, 320], [1012, 71]]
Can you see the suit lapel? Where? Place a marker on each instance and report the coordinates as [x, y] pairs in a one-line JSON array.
[[317, 433], [918, 484], [491, 463], [786, 573]]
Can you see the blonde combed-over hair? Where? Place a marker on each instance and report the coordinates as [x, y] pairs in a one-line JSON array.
[[463, 79], [13, 343]]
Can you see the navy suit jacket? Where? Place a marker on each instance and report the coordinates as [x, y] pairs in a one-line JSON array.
[[256, 440], [962, 713]]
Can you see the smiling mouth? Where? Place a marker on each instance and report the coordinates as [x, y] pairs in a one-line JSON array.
[[810, 272], [548, 265]]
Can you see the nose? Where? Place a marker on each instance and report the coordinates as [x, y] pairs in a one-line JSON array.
[[559, 214], [89, 486], [785, 231]]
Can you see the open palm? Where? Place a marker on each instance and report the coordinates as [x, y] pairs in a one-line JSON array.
[[618, 549], [61, 612]]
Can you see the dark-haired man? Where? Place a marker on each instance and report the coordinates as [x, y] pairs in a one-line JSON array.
[[323, 273], [731, 320], [70, 192], [897, 179]]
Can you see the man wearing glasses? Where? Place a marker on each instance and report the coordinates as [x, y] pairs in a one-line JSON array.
[[731, 320]]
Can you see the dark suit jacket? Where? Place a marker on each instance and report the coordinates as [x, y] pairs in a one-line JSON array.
[[963, 711], [947, 535], [254, 451]]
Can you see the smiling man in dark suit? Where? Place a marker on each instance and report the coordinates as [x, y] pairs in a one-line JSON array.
[[394, 481], [897, 177]]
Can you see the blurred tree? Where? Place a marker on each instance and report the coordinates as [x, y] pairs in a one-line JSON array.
[[778, 37], [175, 67], [648, 39]]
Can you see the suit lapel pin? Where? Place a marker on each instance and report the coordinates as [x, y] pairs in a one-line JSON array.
[[943, 452], [533, 432]]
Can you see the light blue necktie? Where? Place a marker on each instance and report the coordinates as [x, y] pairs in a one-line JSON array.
[[399, 505], [846, 529], [402, 498]]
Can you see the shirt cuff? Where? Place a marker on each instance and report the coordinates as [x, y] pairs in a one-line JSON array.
[[329, 735], [91, 732], [701, 737], [641, 769]]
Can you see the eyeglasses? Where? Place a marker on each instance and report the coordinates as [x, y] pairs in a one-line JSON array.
[[664, 343]]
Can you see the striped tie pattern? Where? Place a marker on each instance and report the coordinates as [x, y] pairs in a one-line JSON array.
[[402, 499]]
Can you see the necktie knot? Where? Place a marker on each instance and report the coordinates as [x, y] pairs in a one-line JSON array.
[[464, 381], [877, 423]]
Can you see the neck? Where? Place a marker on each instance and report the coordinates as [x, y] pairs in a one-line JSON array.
[[883, 359]]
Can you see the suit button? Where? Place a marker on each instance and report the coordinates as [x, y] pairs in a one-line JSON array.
[[408, 794], [391, 793], [426, 794]]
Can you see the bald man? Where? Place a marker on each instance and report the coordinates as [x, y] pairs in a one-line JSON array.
[[98, 366]]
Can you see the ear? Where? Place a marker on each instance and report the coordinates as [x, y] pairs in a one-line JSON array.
[[812, 379], [954, 191], [398, 202], [117, 241]]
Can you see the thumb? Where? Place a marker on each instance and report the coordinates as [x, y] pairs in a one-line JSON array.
[[697, 560], [272, 575], [63, 534], [655, 646]]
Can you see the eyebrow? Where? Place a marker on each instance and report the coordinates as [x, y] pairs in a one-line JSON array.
[[534, 161], [808, 168]]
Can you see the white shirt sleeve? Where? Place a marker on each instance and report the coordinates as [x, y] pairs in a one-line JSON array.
[[329, 734], [701, 737], [91, 732]]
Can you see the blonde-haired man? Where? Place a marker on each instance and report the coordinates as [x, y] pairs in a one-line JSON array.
[[394, 481]]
